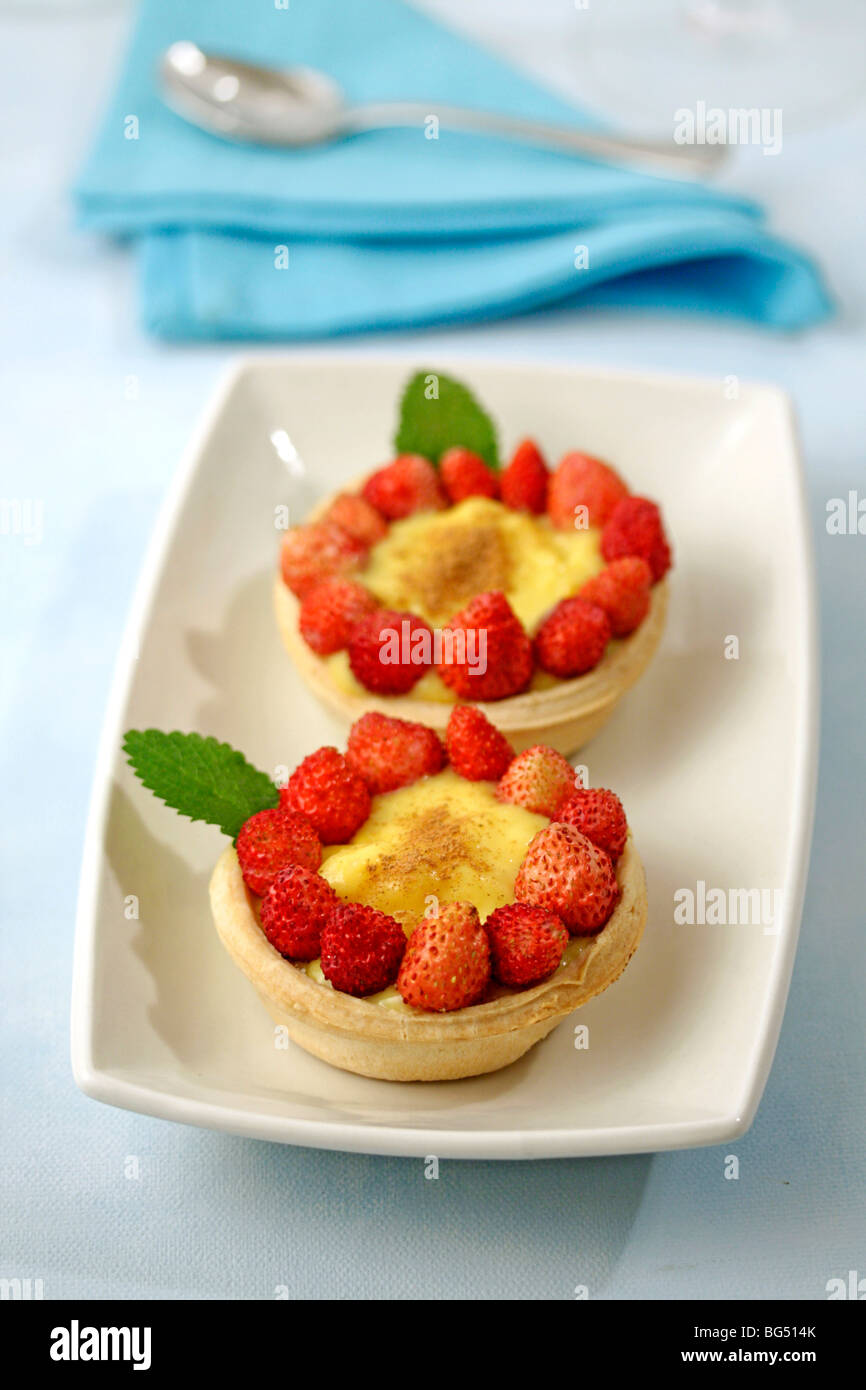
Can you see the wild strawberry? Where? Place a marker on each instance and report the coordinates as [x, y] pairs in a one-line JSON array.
[[490, 656], [465, 474], [318, 551], [391, 753], [635, 528], [566, 873], [526, 943], [326, 790], [409, 484], [447, 960], [271, 840], [356, 516], [476, 748], [361, 949], [572, 639], [329, 613], [539, 779], [524, 483], [583, 481], [389, 651], [295, 909], [598, 815], [623, 591]]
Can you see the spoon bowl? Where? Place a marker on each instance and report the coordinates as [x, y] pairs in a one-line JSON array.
[[244, 101]]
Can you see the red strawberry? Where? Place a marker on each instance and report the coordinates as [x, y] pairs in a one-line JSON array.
[[526, 943], [538, 779], [524, 483], [598, 815], [326, 790], [476, 748], [329, 613], [361, 521], [390, 753], [361, 949], [622, 590], [389, 651], [566, 873], [318, 551], [295, 909], [490, 656], [572, 639], [447, 960], [465, 474], [635, 528], [583, 481], [271, 840], [409, 484]]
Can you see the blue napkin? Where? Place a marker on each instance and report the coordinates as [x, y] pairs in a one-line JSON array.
[[392, 229]]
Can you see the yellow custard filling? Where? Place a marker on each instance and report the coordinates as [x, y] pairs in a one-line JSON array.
[[440, 839], [433, 563]]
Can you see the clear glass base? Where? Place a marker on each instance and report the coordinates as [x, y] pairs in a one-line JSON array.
[[640, 61]]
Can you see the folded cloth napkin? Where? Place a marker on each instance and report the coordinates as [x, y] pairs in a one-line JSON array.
[[393, 229]]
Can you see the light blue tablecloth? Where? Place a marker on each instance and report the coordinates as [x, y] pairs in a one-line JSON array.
[[93, 422], [393, 229]]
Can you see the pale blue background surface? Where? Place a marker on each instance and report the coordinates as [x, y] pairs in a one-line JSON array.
[[216, 1216]]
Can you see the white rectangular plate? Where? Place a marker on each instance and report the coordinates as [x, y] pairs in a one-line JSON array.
[[713, 755]]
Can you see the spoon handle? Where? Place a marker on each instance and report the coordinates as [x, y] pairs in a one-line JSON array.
[[684, 161]]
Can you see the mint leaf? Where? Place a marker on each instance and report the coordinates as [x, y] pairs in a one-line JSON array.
[[199, 777], [436, 413]]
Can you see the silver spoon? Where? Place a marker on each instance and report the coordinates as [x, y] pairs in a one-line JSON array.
[[300, 106]]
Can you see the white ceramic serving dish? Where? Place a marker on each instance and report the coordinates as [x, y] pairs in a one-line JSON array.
[[714, 757]]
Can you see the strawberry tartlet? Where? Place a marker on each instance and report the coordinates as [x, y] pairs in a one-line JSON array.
[[539, 594], [414, 908]]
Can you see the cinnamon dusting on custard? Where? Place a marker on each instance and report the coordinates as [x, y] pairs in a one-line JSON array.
[[433, 842], [440, 836], [457, 563]]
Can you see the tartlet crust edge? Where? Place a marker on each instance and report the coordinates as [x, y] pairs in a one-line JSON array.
[[396, 1045]]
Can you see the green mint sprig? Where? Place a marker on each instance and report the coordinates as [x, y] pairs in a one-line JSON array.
[[199, 777], [437, 413]]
